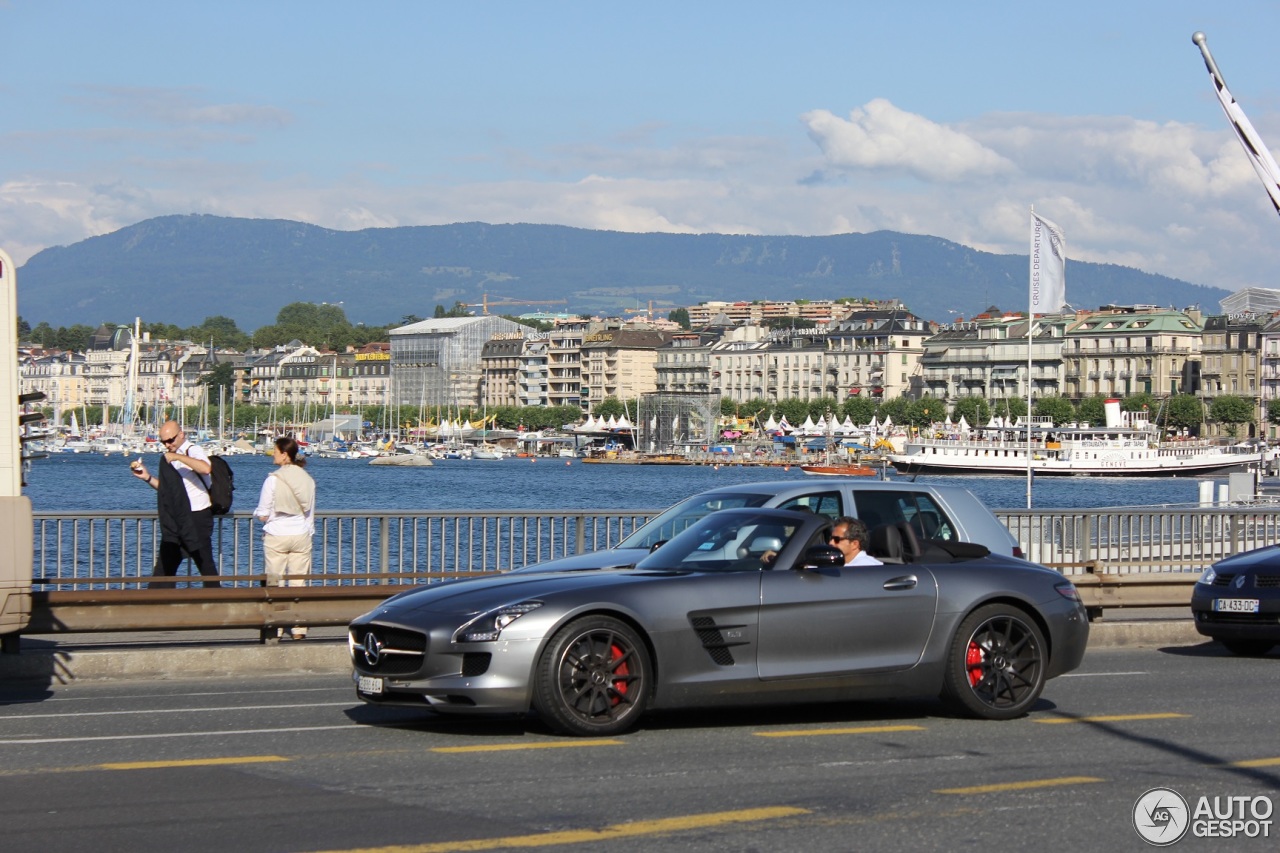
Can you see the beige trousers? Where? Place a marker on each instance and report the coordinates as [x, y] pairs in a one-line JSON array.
[[287, 556]]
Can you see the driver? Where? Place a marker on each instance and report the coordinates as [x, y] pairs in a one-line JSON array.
[[848, 534]]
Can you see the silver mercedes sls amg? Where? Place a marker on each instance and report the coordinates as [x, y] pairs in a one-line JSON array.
[[745, 606]]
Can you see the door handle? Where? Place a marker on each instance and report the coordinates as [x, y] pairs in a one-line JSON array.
[[904, 582]]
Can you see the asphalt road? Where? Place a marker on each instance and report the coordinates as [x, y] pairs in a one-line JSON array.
[[297, 763]]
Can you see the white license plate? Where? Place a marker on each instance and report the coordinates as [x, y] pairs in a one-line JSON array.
[[369, 685], [1235, 605]]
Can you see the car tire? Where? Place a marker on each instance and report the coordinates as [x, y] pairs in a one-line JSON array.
[[592, 678], [1248, 648], [996, 664]]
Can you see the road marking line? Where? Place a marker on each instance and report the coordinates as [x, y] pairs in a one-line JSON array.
[[176, 710], [1020, 786], [190, 762], [860, 730], [1098, 674], [349, 726], [1255, 762], [584, 836], [550, 744], [1112, 718]]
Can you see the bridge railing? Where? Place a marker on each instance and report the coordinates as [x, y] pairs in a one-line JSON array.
[[115, 550]]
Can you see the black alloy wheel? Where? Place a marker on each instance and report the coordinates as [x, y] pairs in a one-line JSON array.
[[593, 678], [995, 667]]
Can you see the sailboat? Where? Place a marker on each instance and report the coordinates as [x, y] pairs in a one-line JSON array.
[[831, 466]]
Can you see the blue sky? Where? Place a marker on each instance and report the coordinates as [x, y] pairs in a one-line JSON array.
[[949, 119]]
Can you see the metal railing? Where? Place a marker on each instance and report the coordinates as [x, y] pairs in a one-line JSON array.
[[92, 570], [116, 550]]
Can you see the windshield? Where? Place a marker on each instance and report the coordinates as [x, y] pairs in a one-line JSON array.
[[734, 541], [676, 519]]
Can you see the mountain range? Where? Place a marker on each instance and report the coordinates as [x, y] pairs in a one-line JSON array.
[[182, 269]]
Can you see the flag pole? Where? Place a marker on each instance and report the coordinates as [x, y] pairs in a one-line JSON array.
[[1030, 319]]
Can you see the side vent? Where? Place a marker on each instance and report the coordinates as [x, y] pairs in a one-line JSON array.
[[712, 637]]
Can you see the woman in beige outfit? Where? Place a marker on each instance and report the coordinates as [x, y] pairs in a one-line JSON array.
[[287, 506]]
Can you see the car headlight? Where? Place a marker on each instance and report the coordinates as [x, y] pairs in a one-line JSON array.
[[1208, 577], [488, 626]]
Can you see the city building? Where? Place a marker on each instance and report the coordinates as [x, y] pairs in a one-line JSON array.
[[987, 357], [1231, 360], [436, 363], [1118, 351], [619, 363]]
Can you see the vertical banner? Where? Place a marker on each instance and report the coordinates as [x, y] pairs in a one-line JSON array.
[[1048, 266]]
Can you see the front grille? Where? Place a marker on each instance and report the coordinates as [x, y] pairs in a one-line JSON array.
[[1220, 579], [401, 654], [1266, 581], [1240, 618]]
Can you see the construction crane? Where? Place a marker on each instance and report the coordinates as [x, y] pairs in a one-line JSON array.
[[485, 303], [648, 312]]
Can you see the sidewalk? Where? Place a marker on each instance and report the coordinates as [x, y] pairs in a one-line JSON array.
[[64, 658]]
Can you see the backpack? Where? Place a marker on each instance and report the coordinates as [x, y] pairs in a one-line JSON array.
[[221, 485]]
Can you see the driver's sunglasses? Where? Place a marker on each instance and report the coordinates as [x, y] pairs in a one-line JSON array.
[[834, 538]]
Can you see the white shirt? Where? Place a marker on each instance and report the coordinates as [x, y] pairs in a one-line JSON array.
[[279, 523], [197, 484], [864, 559]]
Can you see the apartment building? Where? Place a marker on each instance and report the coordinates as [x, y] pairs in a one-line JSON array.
[[1128, 350], [987, 357]]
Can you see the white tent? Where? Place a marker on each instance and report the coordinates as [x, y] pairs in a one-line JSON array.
[[963, 425], [770, 425]]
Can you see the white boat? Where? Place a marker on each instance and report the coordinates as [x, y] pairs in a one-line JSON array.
[[1128, 446], [486, 451]]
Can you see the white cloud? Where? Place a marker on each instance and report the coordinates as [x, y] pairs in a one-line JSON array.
[[881, 136]]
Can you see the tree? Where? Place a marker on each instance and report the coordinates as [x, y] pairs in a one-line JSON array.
[[1092, 410], [974, 410], [927, 410], [1231, 410], [1057, 409], [44, 335], [24, 328], [861, 409], [820, 407], [898, 409], [753, 408], [76, 338], [681, 316], [794, 410], [223, 331], [728, 408], [223, 375], [1142, 401], [609, 406], [1009, 408], [1183, 411]]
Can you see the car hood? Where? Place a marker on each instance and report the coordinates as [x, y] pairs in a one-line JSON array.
[[480, 594], [611, 558]]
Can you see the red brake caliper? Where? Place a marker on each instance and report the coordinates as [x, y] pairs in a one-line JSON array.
[[973, 662], [620, 674]]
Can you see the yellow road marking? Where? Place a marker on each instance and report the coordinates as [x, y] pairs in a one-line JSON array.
[[1113, 718], [1255, 762], [862, 730], [584, 836], [1021, 786], [190, 762], [549, 744]]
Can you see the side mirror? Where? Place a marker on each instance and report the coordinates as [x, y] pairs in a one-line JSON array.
[[822, 557], [656, 545]]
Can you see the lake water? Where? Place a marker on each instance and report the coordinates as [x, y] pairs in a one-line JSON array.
[[86, 482]]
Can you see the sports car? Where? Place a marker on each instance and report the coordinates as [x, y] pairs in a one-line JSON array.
[[1237, 601], [747, 605]]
